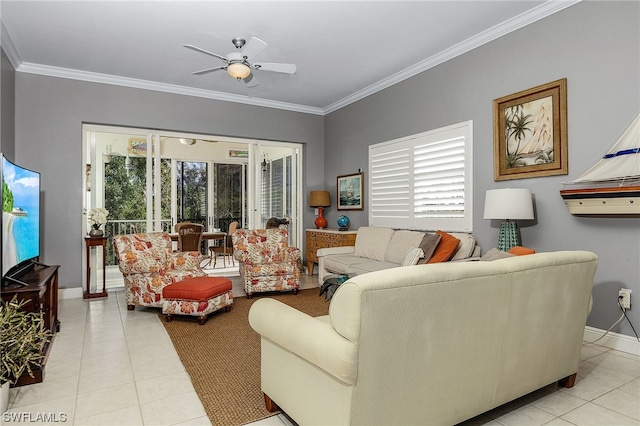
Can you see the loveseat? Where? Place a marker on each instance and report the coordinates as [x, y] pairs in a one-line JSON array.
[[379, 248], [428, 344]]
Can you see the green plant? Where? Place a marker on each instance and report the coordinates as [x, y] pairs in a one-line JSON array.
[[22, 335]]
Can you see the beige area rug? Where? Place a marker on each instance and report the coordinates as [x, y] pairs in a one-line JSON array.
[[223, 356]]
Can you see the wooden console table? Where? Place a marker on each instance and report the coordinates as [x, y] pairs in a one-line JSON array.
[[95, 242], [40, 291], [322, 238]]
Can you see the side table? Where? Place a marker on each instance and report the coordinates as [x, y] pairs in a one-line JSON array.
[[323, 238], [95, 242]]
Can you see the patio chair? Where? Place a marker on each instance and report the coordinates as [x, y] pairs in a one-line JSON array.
[[226, 249], [189, 236]]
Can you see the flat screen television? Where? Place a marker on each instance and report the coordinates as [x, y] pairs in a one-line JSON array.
[[20, 220]]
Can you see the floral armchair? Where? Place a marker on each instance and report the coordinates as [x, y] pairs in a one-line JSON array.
[[148, 265], [267, 263]]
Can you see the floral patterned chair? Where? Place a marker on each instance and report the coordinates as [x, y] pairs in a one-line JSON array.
[[148, 265], [267, 263]]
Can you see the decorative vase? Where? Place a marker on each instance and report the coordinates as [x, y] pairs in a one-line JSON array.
[[320, 221], [96, 232], [343, 223]]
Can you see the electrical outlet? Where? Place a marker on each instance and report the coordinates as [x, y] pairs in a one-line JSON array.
[[625, 302]]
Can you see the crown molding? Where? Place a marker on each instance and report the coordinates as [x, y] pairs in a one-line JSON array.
[[9, 48], [160, 87], [542, 11], [546, 9]]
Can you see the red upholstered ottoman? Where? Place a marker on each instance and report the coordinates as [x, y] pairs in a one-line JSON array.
[[197, 297]]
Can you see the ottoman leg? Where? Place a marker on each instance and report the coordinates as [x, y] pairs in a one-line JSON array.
[[227, 308], [168, 317], [202, 320]]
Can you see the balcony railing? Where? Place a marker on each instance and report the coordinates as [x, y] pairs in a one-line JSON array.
[[123, 227]]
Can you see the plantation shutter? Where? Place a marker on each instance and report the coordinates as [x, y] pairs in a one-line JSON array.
[[423, 181]]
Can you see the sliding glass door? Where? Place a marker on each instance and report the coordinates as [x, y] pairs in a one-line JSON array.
[[150, 180], [279, 180]]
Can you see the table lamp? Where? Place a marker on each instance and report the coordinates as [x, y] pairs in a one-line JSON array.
[[508, 204], [320, 200]]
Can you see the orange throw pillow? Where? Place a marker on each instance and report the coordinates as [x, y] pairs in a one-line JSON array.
[[521, 251], [445, 249]]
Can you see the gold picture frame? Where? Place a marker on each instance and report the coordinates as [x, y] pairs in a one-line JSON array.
[[530, 133]]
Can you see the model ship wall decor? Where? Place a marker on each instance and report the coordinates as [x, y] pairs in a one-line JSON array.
[[612, 185]]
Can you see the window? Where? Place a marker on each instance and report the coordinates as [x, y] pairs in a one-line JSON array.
[[423, 181]]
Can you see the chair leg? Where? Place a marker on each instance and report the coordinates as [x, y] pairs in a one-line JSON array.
[[269, 404]]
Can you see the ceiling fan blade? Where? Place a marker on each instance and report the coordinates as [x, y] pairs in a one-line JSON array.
[[208, 70], [275, 67], [206, 52], [251, 81], [253, 47]]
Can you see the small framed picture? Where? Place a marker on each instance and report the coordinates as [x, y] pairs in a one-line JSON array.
[[530, 133], [350, 192]]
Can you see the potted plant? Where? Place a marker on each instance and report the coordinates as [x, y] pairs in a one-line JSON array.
[[97, 217], [22, 336]]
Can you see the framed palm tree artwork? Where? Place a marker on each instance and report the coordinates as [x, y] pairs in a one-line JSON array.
[[530, 133]]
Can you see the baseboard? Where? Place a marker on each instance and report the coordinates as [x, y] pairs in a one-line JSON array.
[[617, 341], [69, 293]]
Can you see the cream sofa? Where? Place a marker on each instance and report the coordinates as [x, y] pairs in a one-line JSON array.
[[379, 248], [428, 344]]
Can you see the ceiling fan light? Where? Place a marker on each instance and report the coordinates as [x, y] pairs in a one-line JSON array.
[[238, 70]]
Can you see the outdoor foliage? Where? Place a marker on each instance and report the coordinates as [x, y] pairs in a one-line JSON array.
[[125, 188]]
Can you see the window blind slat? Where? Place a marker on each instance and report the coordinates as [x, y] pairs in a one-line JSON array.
[[423, 178]]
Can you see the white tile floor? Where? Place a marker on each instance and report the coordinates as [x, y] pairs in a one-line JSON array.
[[110, 366]]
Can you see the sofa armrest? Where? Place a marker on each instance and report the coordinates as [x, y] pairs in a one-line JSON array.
[[335, 250], [292, 254], [315, 341]]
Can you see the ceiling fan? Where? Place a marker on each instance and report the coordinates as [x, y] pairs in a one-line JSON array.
[[238, 64]]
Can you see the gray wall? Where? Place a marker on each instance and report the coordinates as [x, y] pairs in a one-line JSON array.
[[7, 102], [596, 46], [49, 116]]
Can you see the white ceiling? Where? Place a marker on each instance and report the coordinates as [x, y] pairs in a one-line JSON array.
[[344, 50]]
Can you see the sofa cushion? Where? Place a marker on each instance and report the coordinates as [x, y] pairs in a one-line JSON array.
[[372, 242], [372, 266], [412, 256], [428, 245], [495, 254], [465, 247], [343, 264], [446, 247], [400, 243]]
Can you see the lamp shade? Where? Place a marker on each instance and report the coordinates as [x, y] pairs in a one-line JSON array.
[[319, 199], [508, 203]]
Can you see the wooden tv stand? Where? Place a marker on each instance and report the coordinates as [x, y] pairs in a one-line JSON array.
[[40, 289]]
